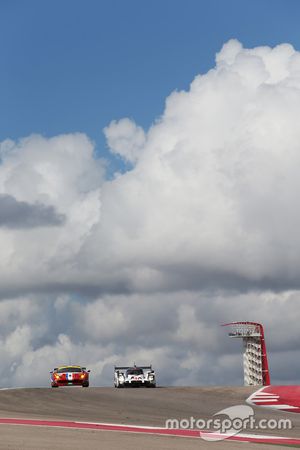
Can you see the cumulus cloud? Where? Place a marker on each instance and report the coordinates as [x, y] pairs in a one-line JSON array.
[[214, 191], [62, 179], [179, 333], [201, 228], [15, 214], [125, 139]]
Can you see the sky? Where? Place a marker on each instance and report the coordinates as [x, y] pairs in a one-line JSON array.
[[148, 187], [69, 66]]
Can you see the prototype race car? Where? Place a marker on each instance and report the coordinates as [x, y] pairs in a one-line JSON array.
[[70, 376], [135, 376]]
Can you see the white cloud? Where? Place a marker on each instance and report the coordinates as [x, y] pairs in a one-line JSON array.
[[125, 138], [210, 204], [61, 174]]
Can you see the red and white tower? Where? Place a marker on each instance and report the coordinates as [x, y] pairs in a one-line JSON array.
[[255, 359]]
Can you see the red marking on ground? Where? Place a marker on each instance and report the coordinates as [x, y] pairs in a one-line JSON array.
[[149, 430], [283, 398], [100, 426]]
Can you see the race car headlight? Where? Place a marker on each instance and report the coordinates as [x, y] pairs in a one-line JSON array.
[[121, 377], [151, 377], [82, 375], [56, 376]]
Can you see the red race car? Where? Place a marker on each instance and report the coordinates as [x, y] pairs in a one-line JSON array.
[[70, 376]]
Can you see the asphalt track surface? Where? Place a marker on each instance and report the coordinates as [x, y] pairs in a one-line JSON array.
[[141, 407]]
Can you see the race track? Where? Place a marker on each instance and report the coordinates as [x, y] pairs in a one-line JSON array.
[[141, 407]]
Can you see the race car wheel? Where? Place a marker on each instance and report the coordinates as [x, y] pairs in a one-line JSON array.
[[86, 384], [54, 385]]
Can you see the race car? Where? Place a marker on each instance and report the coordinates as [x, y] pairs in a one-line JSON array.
[[134, 376], [70, 376]]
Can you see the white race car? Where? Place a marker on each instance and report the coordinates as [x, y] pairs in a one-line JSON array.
[[135, 376]]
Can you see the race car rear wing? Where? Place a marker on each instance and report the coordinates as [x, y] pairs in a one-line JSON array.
[[133, 367]]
